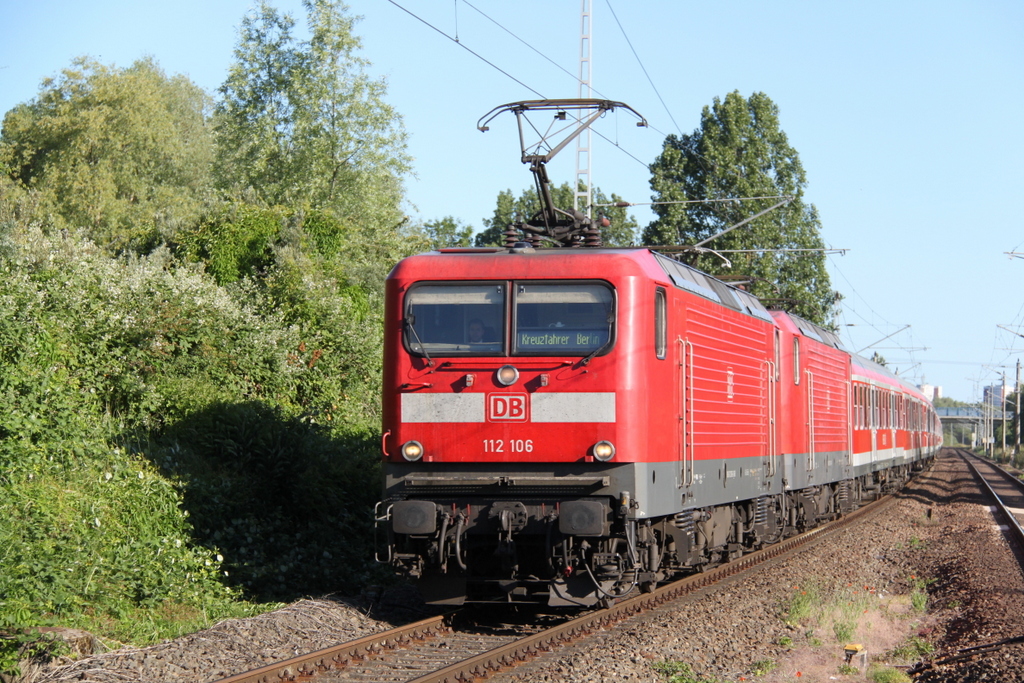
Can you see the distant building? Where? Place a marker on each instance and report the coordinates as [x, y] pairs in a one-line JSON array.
[[995, 394], [931, 391]]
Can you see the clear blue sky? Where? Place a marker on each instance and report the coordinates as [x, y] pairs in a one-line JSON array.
[[907, 117]]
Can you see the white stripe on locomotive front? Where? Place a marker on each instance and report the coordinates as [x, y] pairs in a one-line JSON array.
[[580, 406]]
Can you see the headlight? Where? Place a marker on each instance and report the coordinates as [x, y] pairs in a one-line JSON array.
[[507, 375], [604, 451], [412, 450]]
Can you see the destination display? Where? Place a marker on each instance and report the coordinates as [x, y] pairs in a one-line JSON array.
[[560, 340]]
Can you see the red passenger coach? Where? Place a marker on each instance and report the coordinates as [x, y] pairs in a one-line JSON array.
[[568, 425]]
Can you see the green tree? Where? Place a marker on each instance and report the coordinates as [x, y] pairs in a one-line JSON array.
[[301, 123], [740, 151], [946, 402], [124, 154], [447, 232], [621, 232]]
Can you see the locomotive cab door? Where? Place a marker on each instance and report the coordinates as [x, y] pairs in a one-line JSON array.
[[873, 416], [794, 414], [682, 355], [771, 406]]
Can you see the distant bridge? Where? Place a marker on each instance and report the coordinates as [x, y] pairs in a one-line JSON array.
[[972, 425], [972, 414]]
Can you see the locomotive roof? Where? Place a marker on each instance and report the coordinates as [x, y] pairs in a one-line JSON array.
[[681, 275], [655, 264], [469, 262]]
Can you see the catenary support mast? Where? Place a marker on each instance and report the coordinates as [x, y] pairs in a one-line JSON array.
[[581, 190]]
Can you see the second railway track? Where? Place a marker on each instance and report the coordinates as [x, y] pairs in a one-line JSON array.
[[1006, 490]]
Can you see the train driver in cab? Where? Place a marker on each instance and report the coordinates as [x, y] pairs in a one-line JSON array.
[[478, 333]]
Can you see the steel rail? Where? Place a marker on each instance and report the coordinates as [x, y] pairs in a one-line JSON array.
[[304, 667], [338, 656], [1016, 532], [1013, 525], [508, 655]]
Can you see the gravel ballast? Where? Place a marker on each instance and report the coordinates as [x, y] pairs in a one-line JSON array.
[[939, 537]]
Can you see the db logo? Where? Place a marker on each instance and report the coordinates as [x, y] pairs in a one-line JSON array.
[[506, 407]]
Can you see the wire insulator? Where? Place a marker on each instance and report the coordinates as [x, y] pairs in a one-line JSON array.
[[511, 236]]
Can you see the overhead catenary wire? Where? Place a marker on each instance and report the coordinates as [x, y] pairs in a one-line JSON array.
[[766, 250], [642, 67], [692, 201], [495, 66], [467, 49], [542, 96], [531, 47], [566, 71]]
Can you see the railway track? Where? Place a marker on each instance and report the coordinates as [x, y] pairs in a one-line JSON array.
[[1006, 493], [445, 650], [1005, 490]]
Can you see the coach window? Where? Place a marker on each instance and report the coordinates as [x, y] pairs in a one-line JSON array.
[[660, 323], [856, 407], [858, 394], [796, 360]]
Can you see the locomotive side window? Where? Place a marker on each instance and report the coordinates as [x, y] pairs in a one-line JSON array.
[[456, 319], [563, 319], [660, 324], [796, 360]]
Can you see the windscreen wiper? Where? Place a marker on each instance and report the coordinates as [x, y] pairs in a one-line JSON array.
[[410, 323], [586, 360]]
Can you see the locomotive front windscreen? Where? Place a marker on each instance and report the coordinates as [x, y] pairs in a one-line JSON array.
[[557, 319], [471, 319], [456, 319]]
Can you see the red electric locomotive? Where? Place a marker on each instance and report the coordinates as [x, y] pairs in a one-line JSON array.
[[567, 425], [567, 438]]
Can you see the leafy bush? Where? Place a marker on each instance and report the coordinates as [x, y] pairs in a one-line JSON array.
[[168, 444], [237, 241]]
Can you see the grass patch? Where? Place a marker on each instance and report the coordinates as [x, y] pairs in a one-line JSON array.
[[919, 593], [913, 649], [838, 611], [679, 672], [802, 604], [884, 674]]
